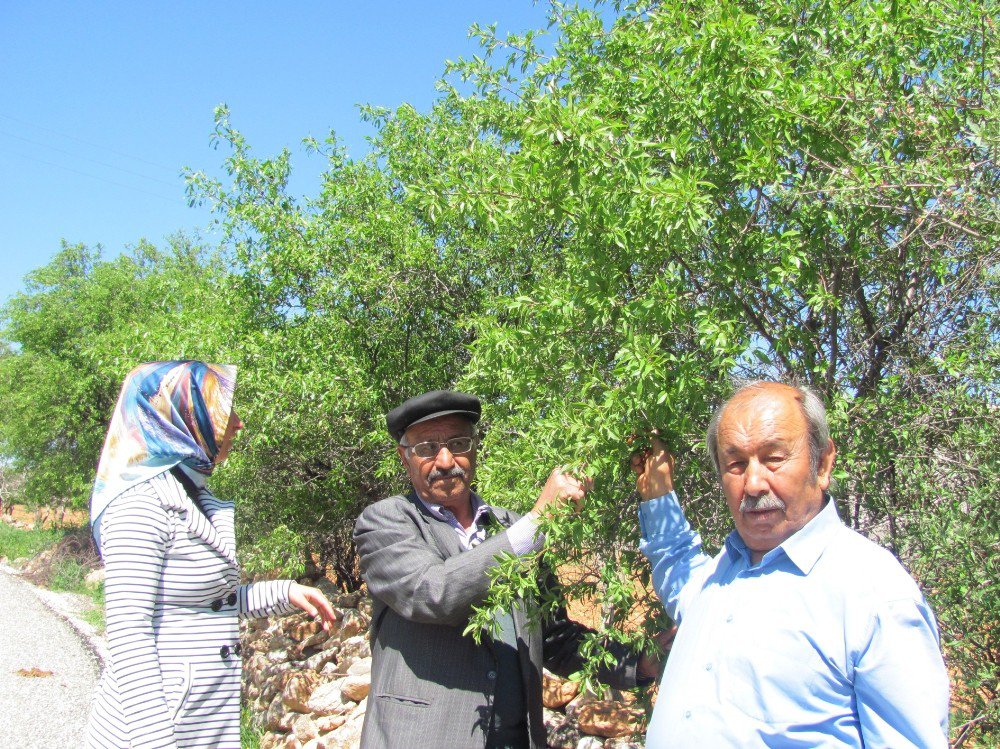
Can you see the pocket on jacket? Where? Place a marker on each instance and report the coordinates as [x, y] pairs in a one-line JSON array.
[[402, 700], [178, 680]]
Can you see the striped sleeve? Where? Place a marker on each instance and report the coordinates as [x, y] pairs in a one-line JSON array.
[[135, 533], [265, 598]]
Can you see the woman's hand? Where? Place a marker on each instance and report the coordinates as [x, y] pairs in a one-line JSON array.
[[314, 603]]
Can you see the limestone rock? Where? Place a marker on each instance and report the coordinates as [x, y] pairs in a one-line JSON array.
[[608, 719], [557, 692], [301, 630], [94, 578], [361, 668], [254, 667], [273, 714], [589, 742], [352, 650], [285, 722], [577, 703], [327, 588], [268, 692], [561, 731], [356, 646], [291, 742], [316, 639], [352, 624], [329, 723], [298, 688], [271, 741], [315, 744], [348, 736], [551, 718], [250, 636], [278, 672], [317, 661], [304, 728], [355, 686], [278, 656], [337, 598], [326, 699]]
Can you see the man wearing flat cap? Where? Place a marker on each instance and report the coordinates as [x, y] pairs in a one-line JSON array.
[[425, 557]]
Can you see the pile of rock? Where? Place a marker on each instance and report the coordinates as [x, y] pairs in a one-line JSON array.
[[578, 720], [311, 687]]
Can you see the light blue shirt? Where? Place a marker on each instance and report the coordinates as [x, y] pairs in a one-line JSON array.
[[826, 642]]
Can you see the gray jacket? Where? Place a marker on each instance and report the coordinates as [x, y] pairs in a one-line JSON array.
[[431, 685]]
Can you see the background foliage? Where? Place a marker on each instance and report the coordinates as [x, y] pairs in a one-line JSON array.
[[596, 229]]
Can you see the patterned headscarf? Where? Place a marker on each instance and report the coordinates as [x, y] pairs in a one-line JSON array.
[[168, 413]]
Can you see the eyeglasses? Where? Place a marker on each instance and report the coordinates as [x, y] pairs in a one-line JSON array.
[[456, 446]]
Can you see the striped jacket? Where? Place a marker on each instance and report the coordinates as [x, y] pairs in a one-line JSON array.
[[173, 598]]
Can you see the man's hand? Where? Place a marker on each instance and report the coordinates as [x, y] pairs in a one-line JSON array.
[[314, 603], [561, 487], [649, 666], [654, 470]]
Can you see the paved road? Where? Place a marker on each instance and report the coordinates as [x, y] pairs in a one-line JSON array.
[[41, 711]]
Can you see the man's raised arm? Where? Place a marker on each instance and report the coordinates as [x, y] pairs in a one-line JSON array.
[[668, 541]]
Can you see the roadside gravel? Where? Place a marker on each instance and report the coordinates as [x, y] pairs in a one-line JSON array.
[[41, 710]]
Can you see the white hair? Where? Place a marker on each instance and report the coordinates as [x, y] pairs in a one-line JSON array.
[[813, 411]]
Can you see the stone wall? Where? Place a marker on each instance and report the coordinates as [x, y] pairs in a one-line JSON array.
[[311, 687]]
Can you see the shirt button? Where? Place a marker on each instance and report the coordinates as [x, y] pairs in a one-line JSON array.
[[216, 605], [491, 675], [687, 713], [708, 666], [224, 652], [729, 618]]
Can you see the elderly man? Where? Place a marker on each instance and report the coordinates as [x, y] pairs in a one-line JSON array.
[[800, 632], [425, 558]]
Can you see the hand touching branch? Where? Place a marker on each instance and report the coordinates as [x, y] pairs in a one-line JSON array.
[[559, 488], [654, 470]]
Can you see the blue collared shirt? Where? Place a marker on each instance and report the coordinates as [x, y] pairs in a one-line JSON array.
[[826, 642]]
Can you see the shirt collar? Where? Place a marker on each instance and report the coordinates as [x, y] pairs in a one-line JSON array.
[[804, 547], [479, 508]]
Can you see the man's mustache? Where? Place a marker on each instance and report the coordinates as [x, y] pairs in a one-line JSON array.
[[761, 503], [455, 472]]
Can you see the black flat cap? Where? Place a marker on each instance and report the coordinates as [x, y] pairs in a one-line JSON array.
[[430, 406]]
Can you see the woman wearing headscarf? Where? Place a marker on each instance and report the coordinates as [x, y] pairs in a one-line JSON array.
[[172, 591]]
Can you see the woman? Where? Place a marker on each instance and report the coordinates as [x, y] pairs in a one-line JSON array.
[[172, 587]]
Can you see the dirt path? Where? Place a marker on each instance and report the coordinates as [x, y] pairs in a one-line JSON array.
[[47, 674]]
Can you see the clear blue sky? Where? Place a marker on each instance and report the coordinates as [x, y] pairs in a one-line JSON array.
[[102, 104]]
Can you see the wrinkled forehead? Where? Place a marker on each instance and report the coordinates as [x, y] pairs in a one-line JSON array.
[[767, 415], [440, 429]]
